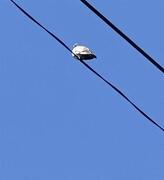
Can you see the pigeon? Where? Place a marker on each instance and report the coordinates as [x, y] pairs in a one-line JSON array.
[[82, 52]]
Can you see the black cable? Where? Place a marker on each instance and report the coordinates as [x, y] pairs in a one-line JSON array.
[[123, 95], [91, 69], [132, 43], [61, 42]]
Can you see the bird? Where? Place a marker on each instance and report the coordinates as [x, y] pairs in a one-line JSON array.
[[82, 52]]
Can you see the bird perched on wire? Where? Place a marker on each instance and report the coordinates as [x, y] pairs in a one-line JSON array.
[[82, 52]]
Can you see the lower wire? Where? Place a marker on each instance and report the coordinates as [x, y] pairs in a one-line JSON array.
[[86, 65], [122, 94]]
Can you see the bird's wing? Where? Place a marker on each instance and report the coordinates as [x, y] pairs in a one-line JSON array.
[[81, 50]]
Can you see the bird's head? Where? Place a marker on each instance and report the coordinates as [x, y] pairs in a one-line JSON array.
[[76, 44]]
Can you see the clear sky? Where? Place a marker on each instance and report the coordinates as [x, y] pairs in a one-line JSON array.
[[58, 121]]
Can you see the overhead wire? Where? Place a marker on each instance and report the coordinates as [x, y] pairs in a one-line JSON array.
[[90, 68], [123, 35], [50, 33]]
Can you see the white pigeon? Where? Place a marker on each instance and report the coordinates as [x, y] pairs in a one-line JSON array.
[[82, 52]]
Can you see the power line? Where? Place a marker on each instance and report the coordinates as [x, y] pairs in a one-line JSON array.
[[123, 95], [50, 33], [132, 43], [91, 69]]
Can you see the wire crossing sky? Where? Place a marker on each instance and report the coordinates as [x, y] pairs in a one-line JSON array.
[[132, 43], [86, 65]]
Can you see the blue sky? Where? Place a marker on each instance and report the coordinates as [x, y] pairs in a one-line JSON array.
[[57, 119]]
